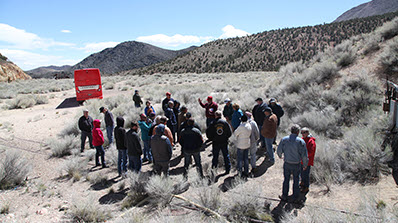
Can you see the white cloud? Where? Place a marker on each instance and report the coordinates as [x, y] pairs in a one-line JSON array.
[[173, 41], [65, 31], [20, 39], [28, 60], [96, 47], [163, 40], [229, 31]]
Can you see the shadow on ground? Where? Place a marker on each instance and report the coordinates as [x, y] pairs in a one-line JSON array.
[[112, 198], [104, 184], [69, 103]]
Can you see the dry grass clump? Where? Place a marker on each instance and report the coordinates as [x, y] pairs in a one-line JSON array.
[[389, 29], [88, 210], [246, 204], [14, 169], [64, 146], [161, 189], [137, 191], [27, 101], [74, 167], [388, 59], [208, 195]]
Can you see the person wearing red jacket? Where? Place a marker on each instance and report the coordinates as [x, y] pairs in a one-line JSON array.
[[311, 147], [98, 141], [211, 108]]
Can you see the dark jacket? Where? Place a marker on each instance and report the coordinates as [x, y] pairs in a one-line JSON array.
[[169, 113], [219, 131], [161, 146], [191, 139], [109, 119], [120, 134], [86, 124], [228, 111], [278, 111], [133, 144], [185, 124], [137, 99], [165, 103], [258, 113]]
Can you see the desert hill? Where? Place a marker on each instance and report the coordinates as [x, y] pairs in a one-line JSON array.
[[375, 7], [125, 56], [11, 72], [266, 51]]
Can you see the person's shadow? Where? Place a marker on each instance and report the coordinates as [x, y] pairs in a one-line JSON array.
[[287, 207]]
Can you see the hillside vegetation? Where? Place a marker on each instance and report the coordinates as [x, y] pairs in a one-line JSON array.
[[266, 51]]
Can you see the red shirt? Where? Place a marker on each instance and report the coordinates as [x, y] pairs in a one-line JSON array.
[[211, 109], [311, 147], [98, 136]]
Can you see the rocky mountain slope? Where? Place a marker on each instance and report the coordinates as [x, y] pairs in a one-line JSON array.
[[11, 72], [125, 56], [375, 7], [266, 51], [50, 71]]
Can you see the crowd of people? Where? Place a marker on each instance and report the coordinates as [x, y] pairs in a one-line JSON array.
[[159, 135]]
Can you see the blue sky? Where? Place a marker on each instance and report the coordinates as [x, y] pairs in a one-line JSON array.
[[37, 33]]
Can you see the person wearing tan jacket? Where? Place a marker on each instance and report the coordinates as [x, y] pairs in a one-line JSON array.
[[268, 131]]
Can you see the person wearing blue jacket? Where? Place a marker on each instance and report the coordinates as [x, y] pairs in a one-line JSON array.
[[145, 127], [236, 116], [294, 152]]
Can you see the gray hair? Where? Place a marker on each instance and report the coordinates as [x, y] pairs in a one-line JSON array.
[[218, 113], [295, 129], [305, 129], [170, 103]]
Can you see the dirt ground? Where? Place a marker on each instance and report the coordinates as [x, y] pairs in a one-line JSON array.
[[46, 196]]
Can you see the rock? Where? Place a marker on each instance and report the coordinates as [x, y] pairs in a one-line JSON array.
[[42, 211], [11, 72]]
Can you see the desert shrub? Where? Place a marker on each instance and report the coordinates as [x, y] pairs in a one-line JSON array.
[[246, 204], [371, 43], [5, 208], [161, 189], [327, 163], [64, 146], [74, 167], [97, 179], [71, 129], [389, 29], [88, 211], [388, 59], [111, 155], [133, 216], [344, 53], [363, 154], [137, 191], [324, 121], [207, 195], [27, 101], [322, 72], [13, 169]]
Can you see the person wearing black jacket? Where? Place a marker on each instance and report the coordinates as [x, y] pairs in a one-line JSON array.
[[258, 115], [165, 101], [191, 141], [86, 126], [277, 110], [171, 120], [120, 135], [134, 148], [219, 132], [109, 123], [137, 99]]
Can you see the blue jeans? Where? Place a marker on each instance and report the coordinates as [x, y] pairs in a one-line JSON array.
[[147, 150], [100, 153], [196, 157], [305, 176], [216, 152], [135, 163], [270, 150], [109, 133], [83, 140], [122, 161], [289, 169], [243, 156]]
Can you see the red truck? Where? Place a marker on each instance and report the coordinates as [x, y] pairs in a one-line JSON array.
[[88, 84]]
